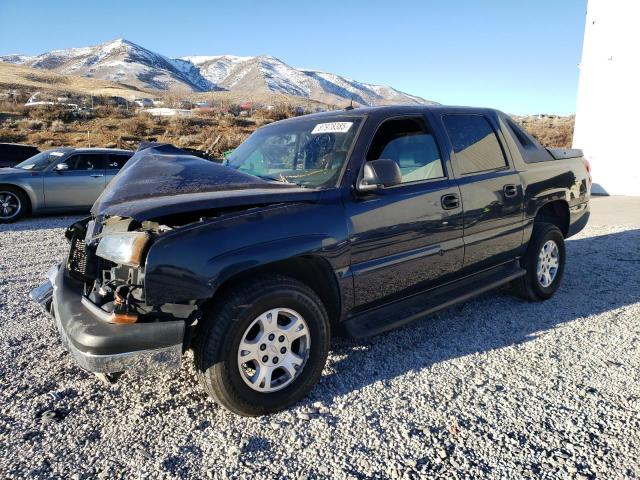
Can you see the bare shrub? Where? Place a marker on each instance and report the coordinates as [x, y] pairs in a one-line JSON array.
[[137, 126], [111, 111], [228, 141], [279, 112], [33, 125], [181, 126], [11, 135], [260, 122], [51, 112], [45, 138], [550, 132], [228, 121], [8, 106], [188, 141], [58, 126]]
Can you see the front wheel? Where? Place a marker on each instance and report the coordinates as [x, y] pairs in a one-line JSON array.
[[13, 204], [543, 262], [263, 345]]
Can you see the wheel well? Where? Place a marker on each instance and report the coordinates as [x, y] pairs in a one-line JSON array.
[[315, 272], [21, 190], [557, 213]]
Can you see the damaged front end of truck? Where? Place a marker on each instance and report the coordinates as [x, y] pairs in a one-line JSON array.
[[118, 302]]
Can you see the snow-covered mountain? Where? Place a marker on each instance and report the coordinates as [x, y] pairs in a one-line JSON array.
[[125, 62]]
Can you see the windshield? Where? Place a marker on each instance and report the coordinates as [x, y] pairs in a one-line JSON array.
[[308, 152], [40, 161]]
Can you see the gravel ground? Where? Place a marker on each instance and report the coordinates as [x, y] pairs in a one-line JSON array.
[[493, 388]]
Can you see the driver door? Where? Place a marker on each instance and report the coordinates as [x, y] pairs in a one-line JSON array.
[[79, 185], [407, 238]]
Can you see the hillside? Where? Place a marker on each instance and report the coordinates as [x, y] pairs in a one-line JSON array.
[[125, 62], [16, 77], [212, 130]]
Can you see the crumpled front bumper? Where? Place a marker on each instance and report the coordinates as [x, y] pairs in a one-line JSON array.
[[102, 347]]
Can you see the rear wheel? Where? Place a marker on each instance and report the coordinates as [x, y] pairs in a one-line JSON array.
[[263, 346], [544, 263], [13, 204]]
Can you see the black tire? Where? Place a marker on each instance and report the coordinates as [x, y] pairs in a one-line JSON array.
[[529, 286], [225, 323], [17, 195]]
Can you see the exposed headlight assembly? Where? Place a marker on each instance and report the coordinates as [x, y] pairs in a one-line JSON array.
[[123, 248]]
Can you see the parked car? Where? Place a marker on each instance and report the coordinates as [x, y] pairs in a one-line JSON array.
[[13, 153], [359, 220], [58, 180]]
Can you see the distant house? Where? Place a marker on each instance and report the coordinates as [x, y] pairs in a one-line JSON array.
[[167, 112], [143, 102]]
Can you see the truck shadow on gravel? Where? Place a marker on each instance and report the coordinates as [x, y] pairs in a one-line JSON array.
[[601, 274]]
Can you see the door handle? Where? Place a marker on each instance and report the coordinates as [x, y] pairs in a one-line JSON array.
[[510, 190], [97, 175], [450, 201]]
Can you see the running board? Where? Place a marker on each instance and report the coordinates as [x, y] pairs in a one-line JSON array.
[[407, 310]]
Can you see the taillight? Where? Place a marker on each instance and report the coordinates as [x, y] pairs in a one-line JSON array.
[[587, 167]]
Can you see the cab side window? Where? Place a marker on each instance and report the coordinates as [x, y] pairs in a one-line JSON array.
[[407, 142], [85, 161], [474, 142]]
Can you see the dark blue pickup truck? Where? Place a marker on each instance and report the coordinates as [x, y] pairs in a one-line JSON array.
[[356, 221]]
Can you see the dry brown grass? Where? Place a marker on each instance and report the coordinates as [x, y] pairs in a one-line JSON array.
[[209, 131], [550, 131], [212, 133]]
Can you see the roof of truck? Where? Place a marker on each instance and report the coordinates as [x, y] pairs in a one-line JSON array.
[[392, 110]]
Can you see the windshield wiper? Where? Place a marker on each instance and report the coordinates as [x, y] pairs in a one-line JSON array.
[[266, 177], [281, 179]]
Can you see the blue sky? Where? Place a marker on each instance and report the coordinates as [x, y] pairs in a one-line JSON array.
[[518, 56]]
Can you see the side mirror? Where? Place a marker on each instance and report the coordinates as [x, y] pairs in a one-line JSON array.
[[61, 167], [379, 174]]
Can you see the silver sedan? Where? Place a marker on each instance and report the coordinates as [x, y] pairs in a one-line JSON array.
[[58, 180]]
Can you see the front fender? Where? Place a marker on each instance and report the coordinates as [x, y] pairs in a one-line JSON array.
[[191, 264], [32, 186]]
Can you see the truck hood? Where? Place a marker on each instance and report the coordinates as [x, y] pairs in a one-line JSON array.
[[162, 180]]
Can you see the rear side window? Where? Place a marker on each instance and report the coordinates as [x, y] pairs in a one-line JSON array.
[[116, 161], [474, 142]]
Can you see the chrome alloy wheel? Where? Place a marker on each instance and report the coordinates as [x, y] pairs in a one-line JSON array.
[[273, 350], [548, 263], [10, 205]]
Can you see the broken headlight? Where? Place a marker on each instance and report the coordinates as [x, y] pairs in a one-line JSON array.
[[124, 248]]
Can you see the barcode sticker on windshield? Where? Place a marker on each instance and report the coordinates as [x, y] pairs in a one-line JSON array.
[[333, 127]]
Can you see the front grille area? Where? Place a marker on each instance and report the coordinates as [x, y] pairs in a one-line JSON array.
[[83, 264], [78, 262]]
